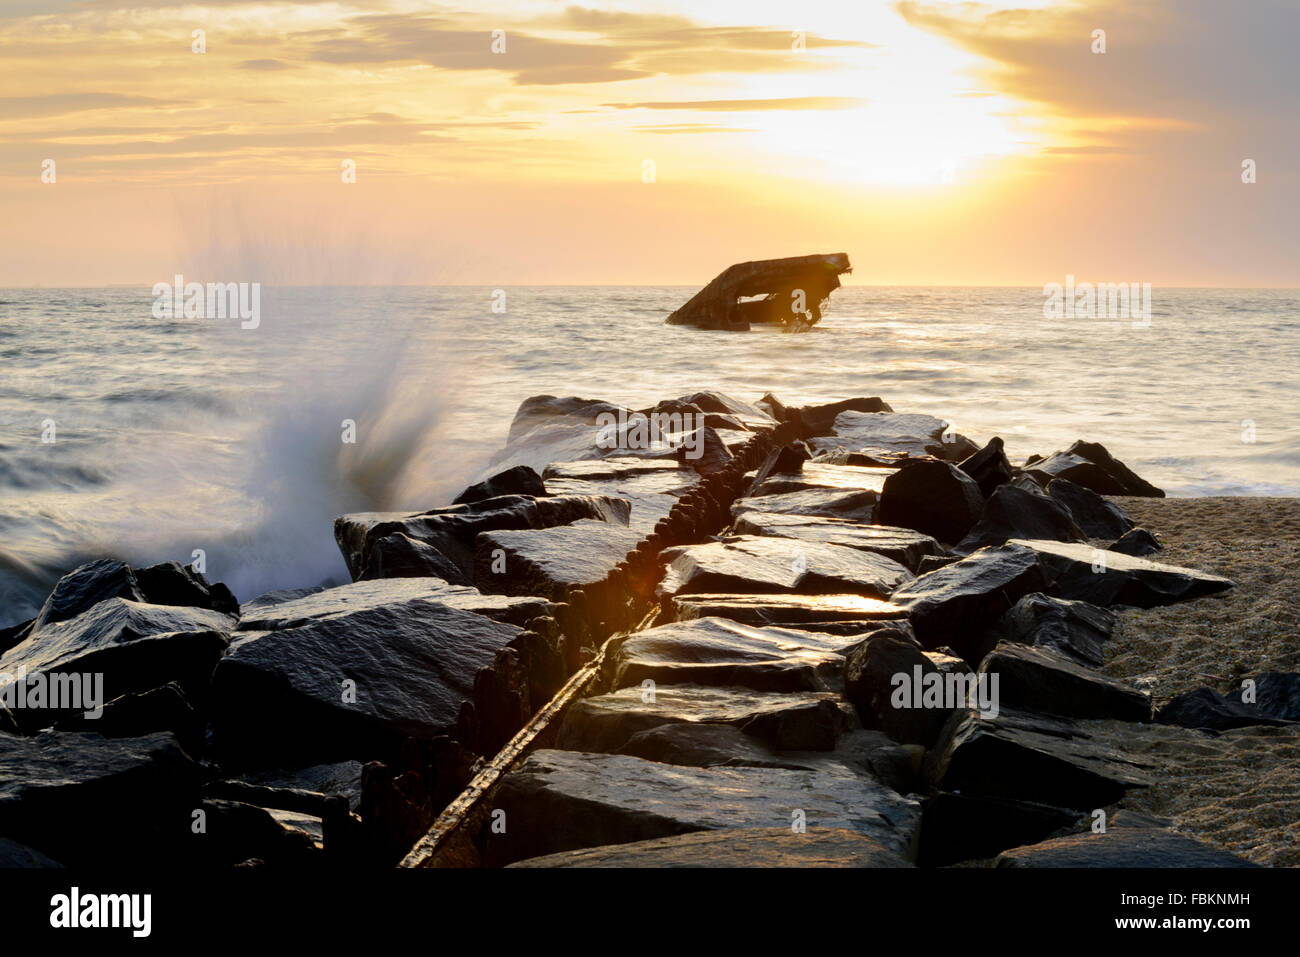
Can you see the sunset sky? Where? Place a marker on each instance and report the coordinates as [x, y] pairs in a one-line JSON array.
[[936, 143]]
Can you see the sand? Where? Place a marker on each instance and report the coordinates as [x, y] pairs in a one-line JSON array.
[[1239, 790]]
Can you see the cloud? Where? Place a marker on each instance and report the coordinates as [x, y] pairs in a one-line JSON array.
[[57, 104], [745, 106], [265, 65], [671, 128]]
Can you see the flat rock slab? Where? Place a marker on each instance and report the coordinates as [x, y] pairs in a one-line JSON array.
[[791, 721], [134, 646], [548, 561], [912, 433], [1102, 577], [954, 604], [1030, 757], [762, 565], [903, 545], [351, 683], [1122, 847], [1039, 679], [566, 800], [715, 651], [823, 477], [83, 799], [345, 600], [798, 611], [86, 586], [452, 530], [652, 486], [735, 847], [857, 505]]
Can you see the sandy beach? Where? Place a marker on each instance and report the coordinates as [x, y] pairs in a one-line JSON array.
[[1240, 790]]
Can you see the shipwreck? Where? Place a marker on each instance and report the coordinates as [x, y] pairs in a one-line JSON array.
[[784, 292]]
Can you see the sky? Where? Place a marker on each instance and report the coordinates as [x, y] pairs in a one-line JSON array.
[[648, 142]]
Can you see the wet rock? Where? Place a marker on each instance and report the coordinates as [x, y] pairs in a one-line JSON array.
[[1039, 679], [565, 800], [902, 545], [451, 531], [171, 583], [86, 586], [83, 799], [15, 633], [952, 606], [518, 480], [701, 745], [807, 721], [749, 414], [988, 467], [856, 506], [714, 651], [1137, 541], [161, 709], [1030, 757], [340, 779], [820, 419], [895, 432], [772, 406], [399, 556], [1015, 513], [1276, 703], [931, 563], [819, 476], [332, 679], [1101, 577], [1074, 629], [236, 832], [15, 855], [764, 564], [548, 561], [357, 597], [652, 486], [118, 647], [792, 457], [1122, 845], [932, 497], [1097, 517], [1090, 465], [706, 452], [856, 612], [959, 827], [874, 673], [736, 847]]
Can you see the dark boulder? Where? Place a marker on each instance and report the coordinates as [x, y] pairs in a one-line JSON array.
[[895, 432], [399, 556], [1030, 757], [874, 671], [85, 800], [953, 606], [1122, 845], [1101, 577], [160, 709], [1074, 629], [820, 419], [519, 480], [451, 531], [931, 497], [1097, 517], [1016, 513], [962, 827], [1039, 679], [1276, 703], [171, 583], [86, 586], [1137, 541], [1090, 465], [988, 467]]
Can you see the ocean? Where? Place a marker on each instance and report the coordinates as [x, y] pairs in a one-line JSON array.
[[147, 438]]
